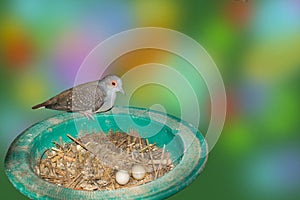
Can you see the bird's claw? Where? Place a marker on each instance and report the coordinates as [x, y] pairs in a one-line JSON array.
[[89, 115]]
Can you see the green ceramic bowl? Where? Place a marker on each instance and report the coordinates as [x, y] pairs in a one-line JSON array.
[[187, 147]]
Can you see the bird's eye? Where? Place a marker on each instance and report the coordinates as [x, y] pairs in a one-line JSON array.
[[113, 83]]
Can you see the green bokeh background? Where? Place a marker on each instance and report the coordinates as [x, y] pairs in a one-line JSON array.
[[255, 45]]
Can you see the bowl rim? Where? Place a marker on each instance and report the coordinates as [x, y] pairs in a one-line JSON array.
[[20, 173]]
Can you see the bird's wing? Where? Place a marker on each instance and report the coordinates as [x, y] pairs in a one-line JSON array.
[[84, 97], [87, 97]]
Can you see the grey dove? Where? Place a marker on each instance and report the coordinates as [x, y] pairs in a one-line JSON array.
[[87, 98]]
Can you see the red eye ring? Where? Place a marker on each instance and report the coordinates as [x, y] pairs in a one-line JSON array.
[[113, 83]]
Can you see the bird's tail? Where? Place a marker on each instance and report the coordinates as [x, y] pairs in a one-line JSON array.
[[46, 104], [41, 105]]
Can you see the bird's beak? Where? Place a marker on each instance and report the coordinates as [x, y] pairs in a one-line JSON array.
[[122, 91]]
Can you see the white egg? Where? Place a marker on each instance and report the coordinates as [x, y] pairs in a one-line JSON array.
[[138, 172], [122, 177]]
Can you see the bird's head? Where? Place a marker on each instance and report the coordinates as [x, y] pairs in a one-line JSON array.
[[113, 83]]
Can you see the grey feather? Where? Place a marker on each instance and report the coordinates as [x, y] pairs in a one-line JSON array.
[[89, 96]]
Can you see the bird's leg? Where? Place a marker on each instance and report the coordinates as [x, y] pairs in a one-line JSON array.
[[88, 114]]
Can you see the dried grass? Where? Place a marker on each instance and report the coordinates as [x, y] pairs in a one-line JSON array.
[[91, 161]]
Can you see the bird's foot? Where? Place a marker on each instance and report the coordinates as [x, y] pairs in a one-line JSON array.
[[88, 114]]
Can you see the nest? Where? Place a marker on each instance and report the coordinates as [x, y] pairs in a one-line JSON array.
[[91, 161]]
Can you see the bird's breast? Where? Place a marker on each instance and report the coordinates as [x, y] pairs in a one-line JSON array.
[[109, 102]]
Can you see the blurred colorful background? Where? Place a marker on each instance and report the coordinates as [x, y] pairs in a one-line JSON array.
[[255, 44]]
